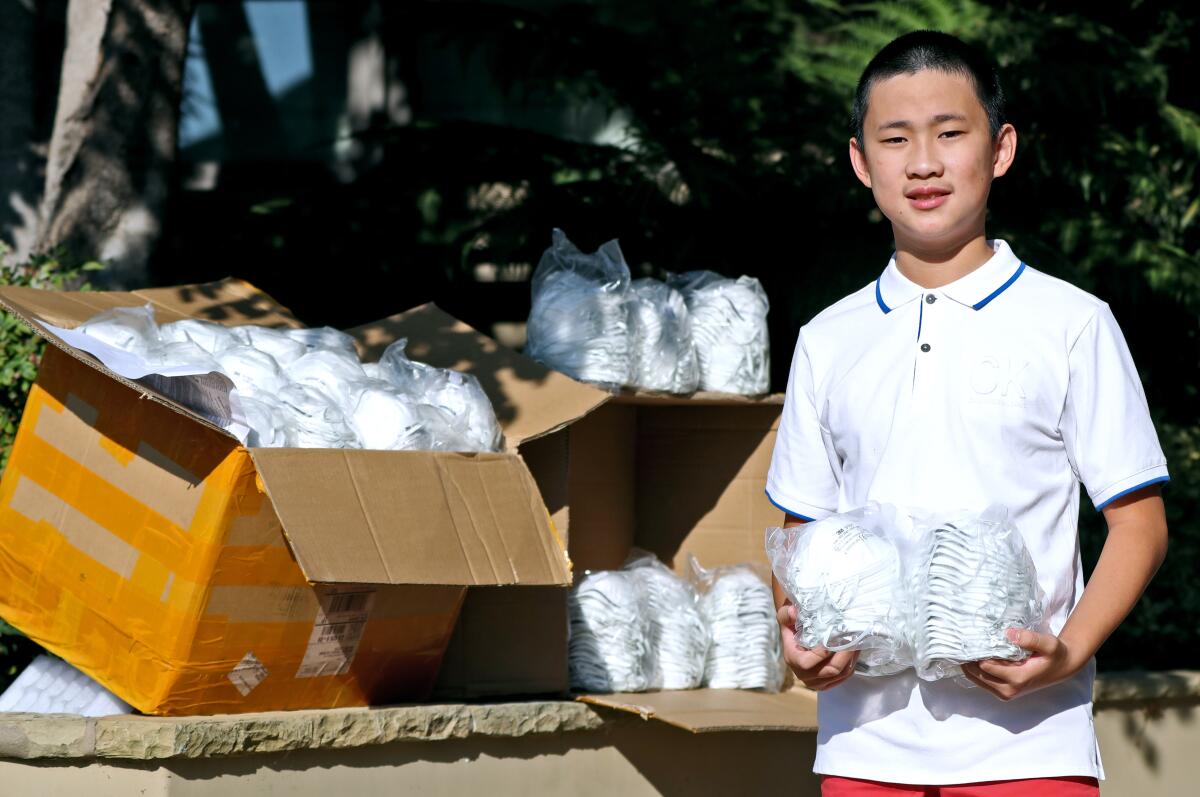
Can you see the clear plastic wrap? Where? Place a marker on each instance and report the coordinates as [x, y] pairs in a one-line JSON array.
[[579, 321], [251, 370], [313, 420], [845, 576], [609, 648], [678, 634], [664, 356], [471, 418], [210, 336], [307, 388], [130, 329], [973, 580], [746, 651], [729, 329]]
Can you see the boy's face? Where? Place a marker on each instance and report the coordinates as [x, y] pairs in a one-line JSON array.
[[930, 158]]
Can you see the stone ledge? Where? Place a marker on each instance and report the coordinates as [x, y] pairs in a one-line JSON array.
[[30, 736], [138, 738]]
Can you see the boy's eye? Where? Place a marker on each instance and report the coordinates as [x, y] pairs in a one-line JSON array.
[[894, 140], [952, 133]]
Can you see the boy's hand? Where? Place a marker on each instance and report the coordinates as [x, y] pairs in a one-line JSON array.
[[816, 668], [1050, 662]]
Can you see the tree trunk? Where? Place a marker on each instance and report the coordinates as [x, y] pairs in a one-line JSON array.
[[113, 147]]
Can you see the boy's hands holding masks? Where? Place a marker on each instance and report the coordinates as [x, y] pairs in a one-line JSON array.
[[816, 668], [1050, 662]]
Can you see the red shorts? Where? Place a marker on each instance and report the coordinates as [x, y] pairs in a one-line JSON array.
[[1032, 787]]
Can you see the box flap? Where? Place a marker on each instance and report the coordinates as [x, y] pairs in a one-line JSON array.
[[707, 710], [412, 517], [699, 399], [228, 301], [530, 399]]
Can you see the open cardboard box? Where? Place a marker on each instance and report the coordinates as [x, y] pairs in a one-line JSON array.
[[678, 476], [189, 574]]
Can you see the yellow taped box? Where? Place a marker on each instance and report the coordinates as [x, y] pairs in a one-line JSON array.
[[191, 575]]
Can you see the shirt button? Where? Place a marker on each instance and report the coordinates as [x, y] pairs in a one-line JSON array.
[[930, 299], [925, 347]]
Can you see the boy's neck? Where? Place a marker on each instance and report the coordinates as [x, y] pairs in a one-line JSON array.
[[933, 267]]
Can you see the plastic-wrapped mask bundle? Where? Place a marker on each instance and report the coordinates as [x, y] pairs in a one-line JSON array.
[[251, 371], [746, 650], [458, 395], [609, 649], [845, 577], [664, 356], [678, 633], [313, 420], [182, 353], [331, 371], [207, 335], [579, 322], [275, 342], [729, 328], [130, 329], [386, 419], [270, 426], [975, 580], [316, 338]]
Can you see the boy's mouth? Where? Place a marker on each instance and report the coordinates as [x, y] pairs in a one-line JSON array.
[[927, 197]]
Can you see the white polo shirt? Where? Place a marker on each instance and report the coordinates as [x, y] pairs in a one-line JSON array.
[[1006, 386]]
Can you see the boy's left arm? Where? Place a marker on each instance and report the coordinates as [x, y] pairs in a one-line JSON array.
[[1134, 549]]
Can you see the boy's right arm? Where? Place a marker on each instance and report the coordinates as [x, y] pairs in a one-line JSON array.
[[816, 668]]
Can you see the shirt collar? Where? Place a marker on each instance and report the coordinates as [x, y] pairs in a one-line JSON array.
[[975, 290]]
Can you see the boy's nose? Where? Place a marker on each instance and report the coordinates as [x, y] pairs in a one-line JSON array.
[[923, 164]]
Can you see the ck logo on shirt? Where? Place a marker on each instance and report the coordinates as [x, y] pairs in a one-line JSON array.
[[999, 380]]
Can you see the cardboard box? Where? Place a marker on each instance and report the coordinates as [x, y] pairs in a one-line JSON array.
[[189, 574]]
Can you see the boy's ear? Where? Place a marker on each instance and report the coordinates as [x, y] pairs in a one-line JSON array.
[[1006, 150], [858, 161]]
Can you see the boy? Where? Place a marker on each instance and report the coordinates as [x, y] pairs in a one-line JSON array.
[[959, 378]]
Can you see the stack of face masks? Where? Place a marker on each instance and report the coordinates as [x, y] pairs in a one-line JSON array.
[[609, 648], [579, 321], [947, 599], [679, 637], [739, 609], [306, 388], [978, 581], [844, 575], [729, 328], [664, 356]]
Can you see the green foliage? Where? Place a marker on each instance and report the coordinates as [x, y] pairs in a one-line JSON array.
[[20, 348], [20, 354]]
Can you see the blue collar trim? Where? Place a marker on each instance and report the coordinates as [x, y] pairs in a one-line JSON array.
[[879, 296], [980, 305]]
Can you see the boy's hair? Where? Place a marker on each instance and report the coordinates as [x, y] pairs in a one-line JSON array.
[[930, 49]]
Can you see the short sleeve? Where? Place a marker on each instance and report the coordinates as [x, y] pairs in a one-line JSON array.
[[801, 479], [1106, 426]]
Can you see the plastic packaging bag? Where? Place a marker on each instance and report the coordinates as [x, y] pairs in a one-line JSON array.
[[269, 426], [664, 356], [332, 371], [275, 342], [315, 338], [386, 419], [609, 648], [678, 634], [313, 420], [973, 580], [579, 321], [746, 650], [846, 579], [251, 371], [472, 421], [729, 328], [130, 329], [210, 336]]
